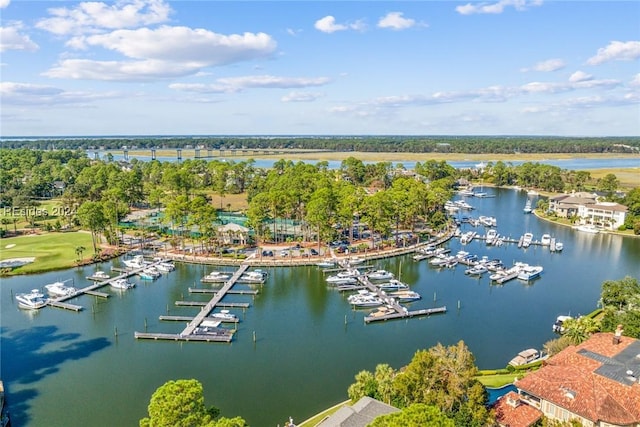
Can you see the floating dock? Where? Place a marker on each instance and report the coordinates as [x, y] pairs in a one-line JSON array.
[[405, 314]]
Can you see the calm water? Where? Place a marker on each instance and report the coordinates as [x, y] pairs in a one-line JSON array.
[[69, 369]]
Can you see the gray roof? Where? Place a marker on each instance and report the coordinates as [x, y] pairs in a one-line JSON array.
[[360, 414], [624, 367]]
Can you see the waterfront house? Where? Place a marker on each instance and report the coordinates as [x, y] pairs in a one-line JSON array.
[[360, 414], [596, 383], [232, 234], [590, 211]]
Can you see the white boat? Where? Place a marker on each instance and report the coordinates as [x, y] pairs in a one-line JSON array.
[[326, 264], [365, 298], [466, 192], [380, 275], [451, 207], [476, 270], [356, 260], [488, 221], [256, 276], [31, 300], [59, 289], [557, 325], [462, 204], [149, 274], [525, 357], [122, 284], [405, 296], [491, 236], [225, 316], [215, 276], [545, 240], [165, 267], [559, 246], [530, 272], [99, 275], [527, 238], [467, 237], [393, 284], [588, 228], [527, 207], [136, 262], [343, 278]]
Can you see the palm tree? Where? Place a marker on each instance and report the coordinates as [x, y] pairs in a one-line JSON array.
[[79, 251]]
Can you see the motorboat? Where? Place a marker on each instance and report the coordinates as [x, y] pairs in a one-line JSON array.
[[326, 264], [558, 324], [149, 274], [122, 284], [343, 278], [356, 260], [136, 262], [165, 267], [365, 298], [588, 228], [525, 357], [59, 289], [462, 204], [530, 272], [451, 207], [545, 239], [491, 236], [99, 275], [488, 221], [215, 276], [405, 295], [380, 275], [559, 246], [31, 300], [527, 239], [393, 284], [467, 237], [527, 207], [225, 316], [476, 270], [439, 260], [256, 276]]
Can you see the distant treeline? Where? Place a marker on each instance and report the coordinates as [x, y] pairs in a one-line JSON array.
[[413, 144]]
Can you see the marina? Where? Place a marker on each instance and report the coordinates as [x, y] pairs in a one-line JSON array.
[[294, 313]]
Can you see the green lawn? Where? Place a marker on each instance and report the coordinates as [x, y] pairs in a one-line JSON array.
[[52, 251], [498, 380]]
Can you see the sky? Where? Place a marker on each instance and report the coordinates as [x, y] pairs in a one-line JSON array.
[[156, 67]]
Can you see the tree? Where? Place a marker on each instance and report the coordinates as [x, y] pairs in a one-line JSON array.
[[417, 414], [79, 251], [91, 216], [579, 330], [608, 183], [180, 403]]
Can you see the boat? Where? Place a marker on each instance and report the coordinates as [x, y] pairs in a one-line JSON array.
[[256, 276], [405, 295], [525, 357], [438, 260], [343, 278], [491, 236], [31, 300], [355, 260], [488, 221], [136, 262], [59, 289], [558, 324], [365, 299], [559, 246], [165, 267], [527, 207], [545, 240], [588, 228], [393, 284], [527, 239], [462, 204], [530, 272], [326, 264], [225, 316], [215, 276], [99, 275], [476, 270], [466, 192], [451, 207], [380, 275], [149, 274], [467, 237], [122, 284]]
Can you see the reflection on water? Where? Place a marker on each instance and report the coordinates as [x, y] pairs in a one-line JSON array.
[[309, 342]]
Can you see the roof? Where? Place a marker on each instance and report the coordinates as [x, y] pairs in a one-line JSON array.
[[510, 412], [591, 380], [233, 227], [360, 414]]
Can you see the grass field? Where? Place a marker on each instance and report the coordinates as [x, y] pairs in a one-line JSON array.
[[52, 251]]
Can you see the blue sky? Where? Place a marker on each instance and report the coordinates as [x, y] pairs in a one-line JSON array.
[[140, 67]]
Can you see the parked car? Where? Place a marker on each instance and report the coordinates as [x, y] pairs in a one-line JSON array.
[[267, 253], [284, 252], [313, 252]]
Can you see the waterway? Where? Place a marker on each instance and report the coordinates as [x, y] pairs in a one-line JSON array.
[[62, 368]]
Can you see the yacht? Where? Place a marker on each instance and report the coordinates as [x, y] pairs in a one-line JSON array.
[[122, 284], [215, 276], [492, 236], [149, 274], [488, 221], [405, 295], [380, 275], [326, 264], [99, 275], [256, 276], [342, 278], [476, 270], [59, 289], [136, 262], [559, 246], [365, 298], [527, 207], [225, 316], [527, 238], [545, 240], [558, 324], [31, 300], [165, 267], [392, 285], [588, 228], [530, 272]]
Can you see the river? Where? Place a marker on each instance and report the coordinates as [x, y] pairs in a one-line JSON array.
[[62, 368]]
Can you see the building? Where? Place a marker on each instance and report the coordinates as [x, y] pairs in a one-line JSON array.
[[588, 209], [360, 414], [596, 383]]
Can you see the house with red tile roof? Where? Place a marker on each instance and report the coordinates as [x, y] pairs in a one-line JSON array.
[[596, 383]]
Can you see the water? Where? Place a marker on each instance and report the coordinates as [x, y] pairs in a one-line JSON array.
[[568, 164], [69, 369]]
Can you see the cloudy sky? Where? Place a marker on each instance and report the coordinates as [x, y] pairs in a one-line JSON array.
[[151, 67]]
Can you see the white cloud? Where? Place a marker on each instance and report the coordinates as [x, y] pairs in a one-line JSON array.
[[89, 17], [38, 95], [12, 39], [237, 84], [328, 25], [396, 21], [301, 97], [547, 66], [635, 81], [580, 76], [4, 3], [495, 8], [162, 52], [616, 51]]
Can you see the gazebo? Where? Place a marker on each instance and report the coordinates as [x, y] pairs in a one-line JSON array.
[[232, 234]]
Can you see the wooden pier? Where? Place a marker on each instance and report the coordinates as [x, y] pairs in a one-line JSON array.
[[190, 318], [230, 291], [405, 314]]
